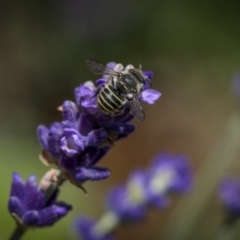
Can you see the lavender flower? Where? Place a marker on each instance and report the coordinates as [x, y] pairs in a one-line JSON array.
[[167, 174], [128, 202], [29, 206], [229, 193], [85, 135]]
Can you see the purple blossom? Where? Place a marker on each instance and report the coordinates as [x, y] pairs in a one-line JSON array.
[[178, 168], [128, 201], [28, 204], [229, 193], [167, 174], [150, 96], [86, 134]]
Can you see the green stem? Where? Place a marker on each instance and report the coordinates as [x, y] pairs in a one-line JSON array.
[[18, 233]]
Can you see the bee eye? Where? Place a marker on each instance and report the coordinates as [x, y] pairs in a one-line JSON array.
[[129, 81]]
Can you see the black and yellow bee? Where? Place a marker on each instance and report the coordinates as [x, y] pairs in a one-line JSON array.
[[121, 87]]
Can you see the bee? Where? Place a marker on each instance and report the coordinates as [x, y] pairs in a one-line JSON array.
[[121, 87]]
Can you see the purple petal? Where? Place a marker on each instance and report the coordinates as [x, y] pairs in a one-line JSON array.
[[42, 133], [150, 96], [90, 85], [97, 137], [94, 174], [159, 201], [101, 81], [182, 175], [72, 143], [84, 227], [17, 188], [15, 206], [49, 215], [99, 155], [87, 157], [70, 130], [83, 92], [69, 125], [118, 201], [86, 122], [30, 218], [33, 197], [68, 152], [229, 192], [110, 65], [90, 104], [55, 134], [86, 92], [68, 163], [139, 177], [148, 74], [91, 155], [104, 120], [161, 160], [70, 111]]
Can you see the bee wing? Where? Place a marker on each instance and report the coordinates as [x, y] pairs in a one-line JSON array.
[[136, 109], [98, 68], [150, 84]]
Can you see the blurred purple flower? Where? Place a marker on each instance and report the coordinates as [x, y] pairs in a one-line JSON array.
[[128, 202], [85, 228], [86, 134], [229, 193], [167, 174], [28, 204]]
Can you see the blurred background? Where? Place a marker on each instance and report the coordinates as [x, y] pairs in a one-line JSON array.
[[193, 49]]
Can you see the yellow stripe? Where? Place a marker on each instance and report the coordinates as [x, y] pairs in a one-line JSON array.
[[111, 99], [103, 107], [102, 98], [114, 94]]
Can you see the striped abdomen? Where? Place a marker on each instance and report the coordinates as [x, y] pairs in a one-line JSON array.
[[109, 100]]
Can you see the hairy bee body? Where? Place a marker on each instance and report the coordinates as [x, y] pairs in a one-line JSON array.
[[120, 88], [110, 101]]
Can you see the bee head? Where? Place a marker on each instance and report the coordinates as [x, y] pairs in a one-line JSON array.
[[127, 83], [137, 75]]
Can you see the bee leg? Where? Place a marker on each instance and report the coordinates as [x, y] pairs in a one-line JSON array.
[[114, 81], [150, 84], [119, 112], [97, 90]]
